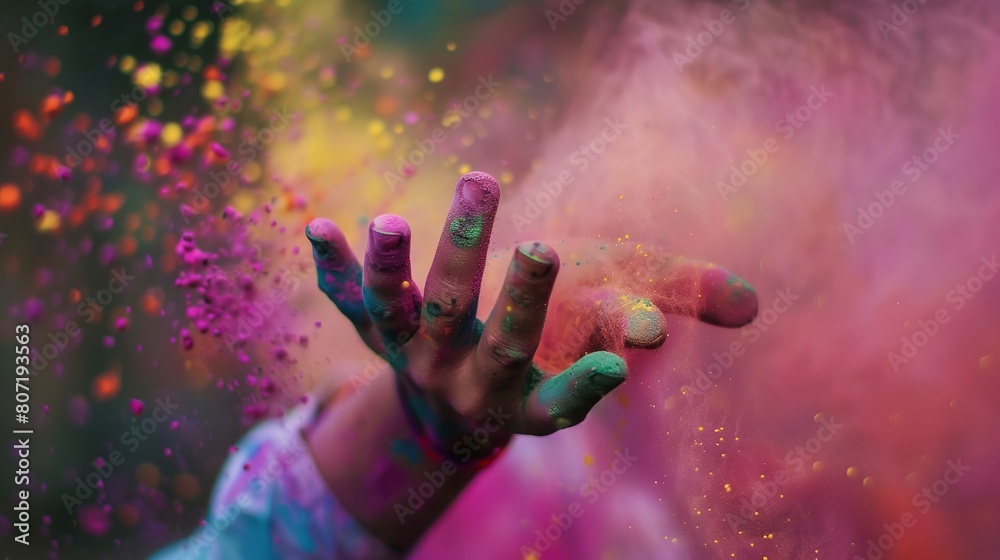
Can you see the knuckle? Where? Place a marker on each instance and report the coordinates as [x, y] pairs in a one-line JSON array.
[[528, 297], [505, 353], [449, 306], [387, 311], [386, 314], [443, 313]]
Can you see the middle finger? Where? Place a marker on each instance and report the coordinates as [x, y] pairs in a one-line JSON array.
[[455, 277]]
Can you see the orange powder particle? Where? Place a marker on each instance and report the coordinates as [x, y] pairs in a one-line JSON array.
[[106, 385], [10, 196], [26, 126]]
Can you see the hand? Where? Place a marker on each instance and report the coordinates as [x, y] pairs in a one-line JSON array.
[[454, 370]]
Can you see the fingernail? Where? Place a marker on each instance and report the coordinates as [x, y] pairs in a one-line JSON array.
[[606, 381], [316, 242], [478, 188], [321, 249], [472, 192], [386, 242], [534, 260]]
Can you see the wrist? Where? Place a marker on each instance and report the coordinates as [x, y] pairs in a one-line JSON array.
[[446, 435]]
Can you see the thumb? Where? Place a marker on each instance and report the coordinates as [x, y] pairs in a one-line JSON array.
[[563, 400]]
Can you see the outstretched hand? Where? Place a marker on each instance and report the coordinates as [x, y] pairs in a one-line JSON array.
[[453, 370]]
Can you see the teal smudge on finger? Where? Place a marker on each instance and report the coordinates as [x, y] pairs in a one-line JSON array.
[[507, 324], [737, 282], [433, 309], [600, 370], [477, 331], [399, 362], [607, 363], [344, 293], [321, 253], [466, 335], [408, 449], [568, 403], [466, 231], [533, 378], [377, 308]]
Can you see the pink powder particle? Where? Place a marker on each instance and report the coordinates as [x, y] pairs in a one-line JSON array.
[[219, 151], [160, 45], [63, 174], [255, 411], [180, 153], [137, 406], [93, 520], [186, 341], [78, 410], [154, 23]]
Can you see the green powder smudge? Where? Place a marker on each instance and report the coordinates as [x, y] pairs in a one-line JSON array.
[[466, 231], [531, 381]]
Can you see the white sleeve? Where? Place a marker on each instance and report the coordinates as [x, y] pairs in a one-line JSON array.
[[270, 503]]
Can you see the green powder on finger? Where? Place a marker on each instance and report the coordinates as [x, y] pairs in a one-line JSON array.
[[466, 230]]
